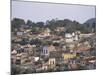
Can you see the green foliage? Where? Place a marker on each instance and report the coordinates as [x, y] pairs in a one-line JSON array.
[[24, 41], [29, 22], [70, 26], [16, 22], [40, 24]]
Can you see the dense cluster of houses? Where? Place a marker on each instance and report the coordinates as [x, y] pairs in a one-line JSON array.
[[73, 51]]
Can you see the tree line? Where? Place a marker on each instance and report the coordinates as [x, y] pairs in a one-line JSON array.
[[70, 26]]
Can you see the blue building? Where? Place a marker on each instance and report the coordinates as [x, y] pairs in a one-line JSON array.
[[45, 51]]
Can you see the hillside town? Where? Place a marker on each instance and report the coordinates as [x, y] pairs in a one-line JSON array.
[[45, 51]]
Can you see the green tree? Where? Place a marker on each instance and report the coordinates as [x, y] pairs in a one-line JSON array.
[[16, 23], [40, 24], [29, 22]]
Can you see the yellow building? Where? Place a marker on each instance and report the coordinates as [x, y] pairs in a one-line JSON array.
[[68, 55]]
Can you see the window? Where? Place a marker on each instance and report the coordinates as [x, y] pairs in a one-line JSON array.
[[18, 61], [46, 51], [53, 62]]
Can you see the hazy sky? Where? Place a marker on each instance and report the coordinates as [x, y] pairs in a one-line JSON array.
[[44, 11]]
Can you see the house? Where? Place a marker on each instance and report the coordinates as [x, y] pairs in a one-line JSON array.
[[14, 52], [19, 33], [70, 37], [83, 46], [71, 45], [28, 30], [13, 56], [83, 63], [76, 37], [45, 33], [17, 39], [45, 66], [64, 48], [57, 55], [67, 56], [31, 59], [52, 63], [85, 35], [57, 39], [24, 58], [60, 29], [45, 51], [36, 59], [51, 48], [18, 59], [20, 50], [73, 66]]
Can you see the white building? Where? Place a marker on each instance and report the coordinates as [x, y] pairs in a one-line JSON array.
[[70, 37], [19, 33], [36, 59]]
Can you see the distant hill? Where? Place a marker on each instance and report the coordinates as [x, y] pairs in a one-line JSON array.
[[91, 21]]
